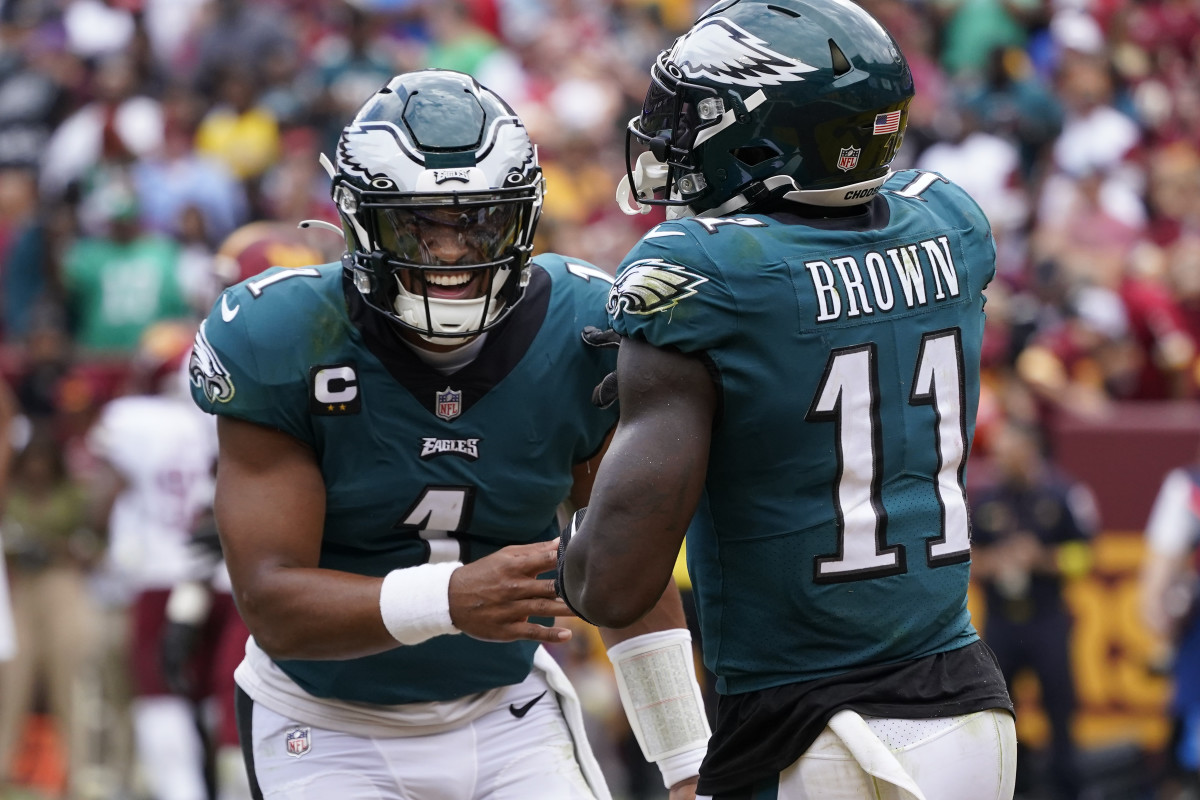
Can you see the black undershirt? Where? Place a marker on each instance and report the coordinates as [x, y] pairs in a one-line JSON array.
[[758, 734]]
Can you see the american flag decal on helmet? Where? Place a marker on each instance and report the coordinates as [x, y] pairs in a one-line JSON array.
[[887, 123]]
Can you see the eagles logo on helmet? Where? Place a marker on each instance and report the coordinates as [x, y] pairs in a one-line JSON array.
[[439, 192], [768, 99]]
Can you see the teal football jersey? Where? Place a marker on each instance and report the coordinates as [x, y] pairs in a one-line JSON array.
[[847, 357], [416, 464]]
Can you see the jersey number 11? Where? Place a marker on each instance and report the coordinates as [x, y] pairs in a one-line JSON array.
[[849, 397]]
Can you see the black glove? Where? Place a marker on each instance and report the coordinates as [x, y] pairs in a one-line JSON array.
[[176, 651], [563, 540], [605, 393]]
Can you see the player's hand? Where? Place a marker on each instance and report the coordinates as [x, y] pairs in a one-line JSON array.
[[493, 598], [684, 790]]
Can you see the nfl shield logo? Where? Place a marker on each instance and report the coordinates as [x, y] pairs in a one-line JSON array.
[[848, 158], [449, 403], [299, 742]]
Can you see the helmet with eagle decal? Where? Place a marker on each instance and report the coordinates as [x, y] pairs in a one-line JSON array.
[[439, 192], [804, 99]]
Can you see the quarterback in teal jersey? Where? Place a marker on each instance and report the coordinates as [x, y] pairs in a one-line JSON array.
[[799, 360], [397, 432]]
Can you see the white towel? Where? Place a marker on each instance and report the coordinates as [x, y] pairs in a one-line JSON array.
[[872, 754], [572, 711]]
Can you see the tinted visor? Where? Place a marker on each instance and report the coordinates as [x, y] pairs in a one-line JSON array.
[[659, 107], [478, 234], [669, 111]]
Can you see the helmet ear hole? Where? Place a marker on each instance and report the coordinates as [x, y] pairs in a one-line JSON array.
[[753, 155]]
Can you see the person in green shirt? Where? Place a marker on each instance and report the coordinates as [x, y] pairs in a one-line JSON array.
[[119, 283]]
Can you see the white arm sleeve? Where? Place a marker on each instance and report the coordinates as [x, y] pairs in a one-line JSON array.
[[657, 683]]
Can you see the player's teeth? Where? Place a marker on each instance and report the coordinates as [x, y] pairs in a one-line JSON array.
[[459, 279]]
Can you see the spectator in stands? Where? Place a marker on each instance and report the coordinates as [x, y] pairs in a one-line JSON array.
[[1094, 149], [457, 42], [241, 32], [49, 544], [176, 176], [1084, 235], [117, 127], [348, 65], [1166, 348], [1031, 527], [1013, 102], [988, 167], [33, 98], [8, 639], [972, 29], [239, 132], [1081, 356], [119, 283]]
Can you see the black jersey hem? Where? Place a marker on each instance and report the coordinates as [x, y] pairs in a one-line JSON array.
[[758, 734]]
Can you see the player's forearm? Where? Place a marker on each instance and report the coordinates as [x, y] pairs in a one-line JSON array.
[[666, 614], [312, 613], [617, 567], [647, 488]]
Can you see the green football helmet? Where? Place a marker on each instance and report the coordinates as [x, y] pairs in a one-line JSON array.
[[801, 99], [439, 191]]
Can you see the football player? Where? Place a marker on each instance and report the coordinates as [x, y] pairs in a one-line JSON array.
[[397, 432], [800, 361], [154, 453]]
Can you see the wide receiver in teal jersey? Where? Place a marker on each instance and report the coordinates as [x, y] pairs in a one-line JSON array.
[[397, 432], [800, 361]]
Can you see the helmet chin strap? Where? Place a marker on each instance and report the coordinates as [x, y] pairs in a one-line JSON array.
[[739, 201], [649, 176]]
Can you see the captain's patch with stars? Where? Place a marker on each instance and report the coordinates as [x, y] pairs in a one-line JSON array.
[[334, 390]]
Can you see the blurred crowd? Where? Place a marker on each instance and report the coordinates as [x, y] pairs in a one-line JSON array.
[[137, 135]]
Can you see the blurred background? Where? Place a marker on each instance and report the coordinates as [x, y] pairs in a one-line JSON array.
[[154, 151]]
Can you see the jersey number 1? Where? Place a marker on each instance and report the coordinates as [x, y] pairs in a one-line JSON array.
[[849, 397], [437, 516]]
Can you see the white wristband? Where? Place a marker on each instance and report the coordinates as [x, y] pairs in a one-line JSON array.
[[681, 765], [415, 602], [656, 680]]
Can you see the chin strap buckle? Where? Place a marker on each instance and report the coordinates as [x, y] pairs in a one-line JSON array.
[[755, 192]]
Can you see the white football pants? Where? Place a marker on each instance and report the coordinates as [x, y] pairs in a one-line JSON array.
[[499, 756], [870, 758]]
